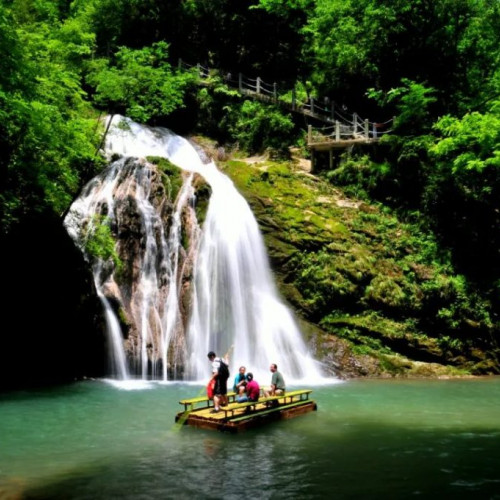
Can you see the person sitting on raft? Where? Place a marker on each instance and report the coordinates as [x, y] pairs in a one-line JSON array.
[[240, 381], [277, 385], [252, 390], [277, 382]]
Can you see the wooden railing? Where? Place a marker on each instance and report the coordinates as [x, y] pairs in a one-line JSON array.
[[341, 126], [355, 129]]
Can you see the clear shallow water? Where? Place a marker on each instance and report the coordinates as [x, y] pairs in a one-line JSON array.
[[368, 439]]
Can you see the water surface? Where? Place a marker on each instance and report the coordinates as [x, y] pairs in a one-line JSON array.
[[368, 439]]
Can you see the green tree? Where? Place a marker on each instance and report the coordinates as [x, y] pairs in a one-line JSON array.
[[49, 129], [217, 104], [373, 43], [462, 197], [140, 84], [259, 126]]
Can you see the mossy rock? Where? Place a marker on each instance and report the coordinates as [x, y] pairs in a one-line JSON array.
[[172, 176]]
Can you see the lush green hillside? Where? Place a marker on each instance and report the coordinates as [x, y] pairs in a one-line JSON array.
[[358, 273]]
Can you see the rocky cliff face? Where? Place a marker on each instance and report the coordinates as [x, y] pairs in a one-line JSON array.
[[129, 293], [154, 228]]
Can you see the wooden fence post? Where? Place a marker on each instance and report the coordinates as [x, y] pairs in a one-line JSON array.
[[337, 130], [240, 82], [312, 105], [275, 91], [355, 123], [258, 85], [367, 129], [179, 64], [309, 134]]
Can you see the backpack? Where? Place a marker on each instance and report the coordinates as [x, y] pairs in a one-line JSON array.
[[210, 389], [223, 370]]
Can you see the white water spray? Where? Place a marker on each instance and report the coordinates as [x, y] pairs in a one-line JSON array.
[[235, 302]]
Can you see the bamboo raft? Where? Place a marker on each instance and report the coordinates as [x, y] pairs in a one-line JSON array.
[[237, 417]]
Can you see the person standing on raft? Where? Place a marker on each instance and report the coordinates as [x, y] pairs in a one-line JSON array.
[[220, 374]]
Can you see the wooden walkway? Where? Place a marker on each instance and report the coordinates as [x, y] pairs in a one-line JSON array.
[[238, 417], [341, 129], [340, 136]]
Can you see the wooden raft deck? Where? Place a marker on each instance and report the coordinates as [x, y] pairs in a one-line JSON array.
[[237, 417]]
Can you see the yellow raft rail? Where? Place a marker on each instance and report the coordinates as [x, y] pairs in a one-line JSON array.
[[236, 417]]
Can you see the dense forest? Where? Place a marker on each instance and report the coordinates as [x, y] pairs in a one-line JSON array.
[[433, 65]]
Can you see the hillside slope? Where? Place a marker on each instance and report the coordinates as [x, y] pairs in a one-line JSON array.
[[375, 296]]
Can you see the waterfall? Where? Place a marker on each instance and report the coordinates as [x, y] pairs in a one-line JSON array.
[[99, 192], [234, 305], [235, 302], [116, 354]]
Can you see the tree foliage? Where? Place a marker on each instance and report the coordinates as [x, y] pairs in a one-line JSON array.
[[258, 127], [470, 143], [465, 189], [47, 124], [140, 83]]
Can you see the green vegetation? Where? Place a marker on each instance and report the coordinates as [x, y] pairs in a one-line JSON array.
[[383, 284], [99, 242], [172, 178], [419, 245], [259, 126], [140, 84]]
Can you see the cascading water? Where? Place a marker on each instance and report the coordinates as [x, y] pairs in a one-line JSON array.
[[234, 303], [80, 222], [116, 353]]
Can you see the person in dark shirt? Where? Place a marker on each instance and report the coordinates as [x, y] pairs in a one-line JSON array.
[[220, 388]]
